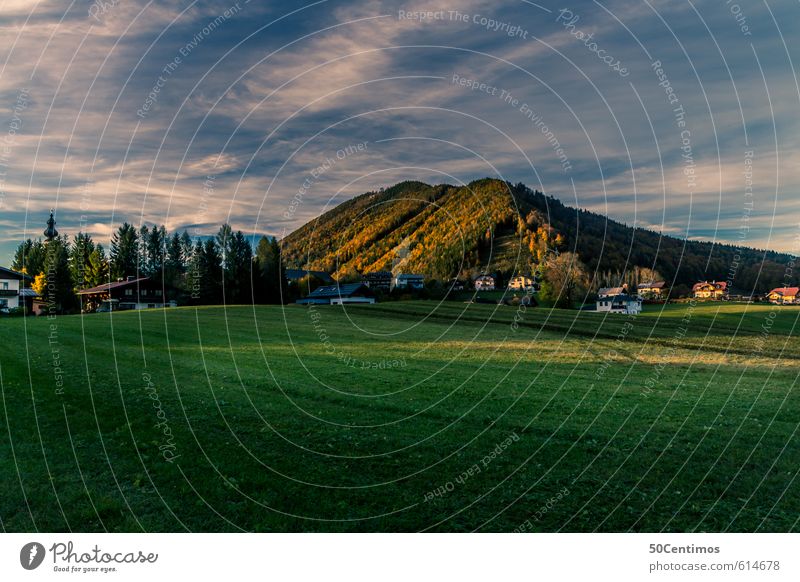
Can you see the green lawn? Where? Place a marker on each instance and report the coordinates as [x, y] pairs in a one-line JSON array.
[[402, 417]]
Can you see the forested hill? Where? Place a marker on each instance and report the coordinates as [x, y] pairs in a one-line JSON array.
[[493, 226]]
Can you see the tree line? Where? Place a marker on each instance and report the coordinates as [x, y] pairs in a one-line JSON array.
[[224, 268]]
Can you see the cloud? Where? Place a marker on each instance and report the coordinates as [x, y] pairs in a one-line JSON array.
[[260, 97]]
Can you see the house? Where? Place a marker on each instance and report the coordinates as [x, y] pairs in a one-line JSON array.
[[456, 285], [378, 281], [408, 281], [339, 295], [12, 288], [653, 290], [131, 293], [484, 283], [713, 290], [622, 303], [294, 275], [521, 283], [784, 295], [605, 292]]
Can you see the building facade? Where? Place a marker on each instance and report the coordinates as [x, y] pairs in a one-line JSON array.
[[521, 283], [12, 288], [654, 290], [378, 281], [132, 293], [485, 283], [623, 303], [784, 295], [408, 281], [712, 290]]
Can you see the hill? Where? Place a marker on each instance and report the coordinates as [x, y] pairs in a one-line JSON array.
[[492, 226]]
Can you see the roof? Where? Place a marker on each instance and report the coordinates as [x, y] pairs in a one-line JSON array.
[[722, 285], [336, 291], [378, 274], [611, 290], [485, 277], [9, 274], [300, 273], [28, 293], [409, 276], [786, 291], [106, 287], [652, 285]]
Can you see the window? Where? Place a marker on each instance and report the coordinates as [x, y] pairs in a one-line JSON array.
[[158, 292], [5, 285], [144, 291], [129, 292]]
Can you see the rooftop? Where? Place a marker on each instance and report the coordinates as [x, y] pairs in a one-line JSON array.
[[105, 287]]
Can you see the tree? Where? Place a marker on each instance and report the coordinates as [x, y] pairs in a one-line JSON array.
[[175, 262], [29, 257], [124, 252], [97, 271], [141, 251], [269, 279], [566, 278], [79, 254], [58, 292], [39, 284], [237, 263], [154, 250], [207, 273]]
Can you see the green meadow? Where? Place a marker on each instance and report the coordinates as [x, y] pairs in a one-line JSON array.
[[404, 416]]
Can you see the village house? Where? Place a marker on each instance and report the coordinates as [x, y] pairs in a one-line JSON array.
[[713, 290], [622, 303], [12, 289], [654, 290], [131, 293], [521, 283], [378, 281], [784, 295], [456, 285], [339, 295], [484, 283], [408, 281]]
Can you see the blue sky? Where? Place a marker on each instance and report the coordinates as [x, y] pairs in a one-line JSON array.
[[194, 113]]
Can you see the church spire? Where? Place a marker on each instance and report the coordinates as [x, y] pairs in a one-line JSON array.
[[50, 232]]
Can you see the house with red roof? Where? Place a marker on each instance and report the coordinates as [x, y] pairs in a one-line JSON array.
[[784, 295]]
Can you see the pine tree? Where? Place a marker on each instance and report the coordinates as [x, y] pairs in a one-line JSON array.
[[29, 257], [124, 252], [97, 272], [58, 292], [207, 273], [269, 278], [79, 254]]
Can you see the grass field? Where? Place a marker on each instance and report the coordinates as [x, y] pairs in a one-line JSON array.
[[402, 417]]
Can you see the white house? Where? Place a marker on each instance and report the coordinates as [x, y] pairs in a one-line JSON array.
[[623, 303], [408, 281], [11, 283], [484, 283]]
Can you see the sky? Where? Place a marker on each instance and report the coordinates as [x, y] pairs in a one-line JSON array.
[[674, 115]]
